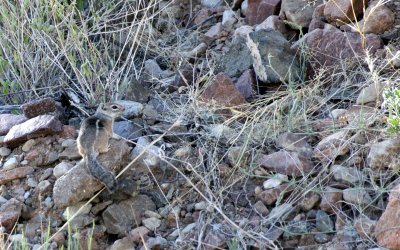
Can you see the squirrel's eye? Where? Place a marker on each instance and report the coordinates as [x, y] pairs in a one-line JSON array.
[[114, 107]]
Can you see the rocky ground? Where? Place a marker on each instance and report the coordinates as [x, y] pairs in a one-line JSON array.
[[260, 125]]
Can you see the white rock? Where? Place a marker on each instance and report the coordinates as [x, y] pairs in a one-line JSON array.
[[275, 181], [71, 210], [201, 205], [61, 169], [228, 19], [244, 7], [132, 109], [32, 182], [10, 163], [28, 145], [211, 3], [5, 151], [151, 223]]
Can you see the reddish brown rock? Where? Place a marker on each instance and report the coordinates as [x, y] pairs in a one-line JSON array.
[[259, 10], [288, 163], [222, 91], [10, 213], [332, 146], [39, 126], [7, 121], [269, 197], [364, 226], [16, 173], [330, 45], [202, 16], [246, 84], [68, 132], [379, 18], [343, 11], [331, 198], [387, 228], [39, 107], [384, 155]]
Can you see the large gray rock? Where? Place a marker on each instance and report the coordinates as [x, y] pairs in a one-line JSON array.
[[273, 60], [298, 12], [229, 63], [78, 184], [121, 217]]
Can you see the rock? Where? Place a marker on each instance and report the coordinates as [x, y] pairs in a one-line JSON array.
[[273, 22], [211, 3], [132, 109], [139, 233], [44, 186], [202, 15], [273, 59], [298, 12], [128, 130], [246, 83], [215, 240], [287, 163], [36, 127], [158, 242], [309, 201], [149, 114], [384, 154], [345, 175], [244, 7], [77, 184], [332, 146], [16, 173], [323, 44], [242, 32], [213, 33], [378, 18], [371, 93], [70, 152], [364, 226], [11, 163], [196, 52], [201, 206], [269, 197], [4, 151], [294, 142], [120, 217], [237, 156], [186, 74], [228, 62], [281, 212], [39, 107], [275, 181], [343, 11], [32, 182], [222, 91], [386, 229], [28, 145], [124, 243], [261, 208], [228, 19], [152, 72], [150, 157], [7, 121], [10, 213], [357, 196], [331, 200], [258, 10], [151, 223], [152, 214], [71, 211], [323, 223], [61, 169]]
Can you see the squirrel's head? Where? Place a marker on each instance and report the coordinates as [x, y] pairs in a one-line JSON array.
[[111, 109]]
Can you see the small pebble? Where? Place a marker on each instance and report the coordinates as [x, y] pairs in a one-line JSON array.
[[10, 163], [5, 151]]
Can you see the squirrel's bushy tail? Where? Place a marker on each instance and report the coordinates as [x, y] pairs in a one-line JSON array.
[[100, 173]]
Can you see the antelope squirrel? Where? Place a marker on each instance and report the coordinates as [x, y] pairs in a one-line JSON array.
[[93, 138]]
